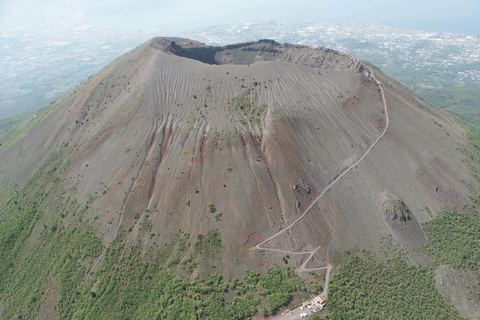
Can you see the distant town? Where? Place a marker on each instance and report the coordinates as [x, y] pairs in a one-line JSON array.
[[42, 60]]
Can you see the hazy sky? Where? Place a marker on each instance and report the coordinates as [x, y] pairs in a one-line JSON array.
[[432, 15]]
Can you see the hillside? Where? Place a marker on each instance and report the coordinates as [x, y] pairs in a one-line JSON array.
[[180, 158]]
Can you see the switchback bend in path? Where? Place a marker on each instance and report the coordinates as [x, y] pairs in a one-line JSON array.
[[311, 253]]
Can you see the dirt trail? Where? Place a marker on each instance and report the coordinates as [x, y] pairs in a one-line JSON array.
[[303, 267]]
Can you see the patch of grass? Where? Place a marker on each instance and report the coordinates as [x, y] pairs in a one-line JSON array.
[[245, 107], [8, 123], [428, 210], [209, 251], [18, 132]]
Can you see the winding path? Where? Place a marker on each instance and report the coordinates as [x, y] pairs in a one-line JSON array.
[[303, 267]]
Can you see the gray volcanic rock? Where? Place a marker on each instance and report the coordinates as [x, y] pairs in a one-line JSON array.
[[256, 129]]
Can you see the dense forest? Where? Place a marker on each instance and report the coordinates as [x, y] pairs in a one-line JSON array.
[[366, 289]]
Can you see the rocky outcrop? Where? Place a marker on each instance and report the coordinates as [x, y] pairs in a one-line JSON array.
[[396, 210]]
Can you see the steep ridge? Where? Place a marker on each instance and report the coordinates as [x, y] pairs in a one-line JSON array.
[[174, 132]]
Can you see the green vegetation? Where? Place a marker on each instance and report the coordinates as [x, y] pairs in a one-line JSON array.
[[211, 208], [16, 129], [129, 288], [443, 86], [279, 292], [428, 210], [453, 230], [218, 216], [209, 252], [245, 108], [453, 239], [366, 289], [56, 257], [9, 122], [461, 100], [473, 132]]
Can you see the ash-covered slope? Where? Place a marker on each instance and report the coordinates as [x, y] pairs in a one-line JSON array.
[[174, 133]]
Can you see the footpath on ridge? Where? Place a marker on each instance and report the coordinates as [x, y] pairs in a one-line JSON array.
[[303, 267]]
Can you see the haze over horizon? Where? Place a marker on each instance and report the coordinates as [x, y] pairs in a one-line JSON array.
[[131, 15], [47, 48]]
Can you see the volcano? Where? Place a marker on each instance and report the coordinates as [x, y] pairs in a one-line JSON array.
[[274, 149]]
